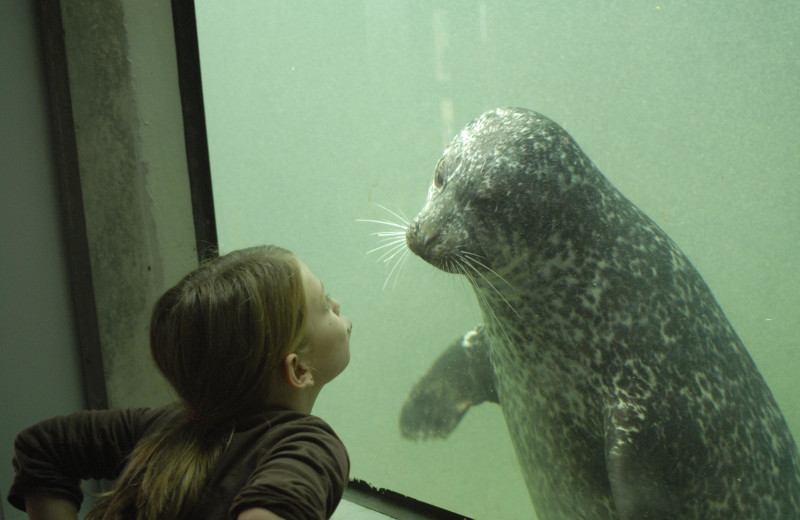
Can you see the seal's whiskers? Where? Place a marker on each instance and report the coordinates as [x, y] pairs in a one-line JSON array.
[[475, 259], [395, 248], [400, 216], [488, 311], [468, 262], [384, 222], [389, 239], [392, 243], [395, 251], [398, 265]]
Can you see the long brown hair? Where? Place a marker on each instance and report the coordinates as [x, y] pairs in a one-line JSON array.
[[218, 336]]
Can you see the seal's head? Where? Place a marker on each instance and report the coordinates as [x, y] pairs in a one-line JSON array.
[[504, 185]]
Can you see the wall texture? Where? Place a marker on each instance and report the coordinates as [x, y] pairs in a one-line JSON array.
[[129, 133]]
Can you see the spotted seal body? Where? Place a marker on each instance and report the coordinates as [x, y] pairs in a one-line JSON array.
[[626, 391]]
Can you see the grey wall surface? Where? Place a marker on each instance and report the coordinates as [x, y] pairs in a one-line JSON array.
[[39, 371], [129, 133]]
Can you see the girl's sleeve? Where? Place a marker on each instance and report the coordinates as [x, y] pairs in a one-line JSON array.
[[53, 456], [301, 476]]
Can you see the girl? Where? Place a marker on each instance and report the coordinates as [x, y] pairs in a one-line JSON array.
[[247, 341]]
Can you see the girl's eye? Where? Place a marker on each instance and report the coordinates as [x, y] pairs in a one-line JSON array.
[[327, 302]]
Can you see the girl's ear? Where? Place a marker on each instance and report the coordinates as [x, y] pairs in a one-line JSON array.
[[297, 373]]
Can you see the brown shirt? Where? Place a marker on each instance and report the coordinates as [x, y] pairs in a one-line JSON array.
[[287, 462]]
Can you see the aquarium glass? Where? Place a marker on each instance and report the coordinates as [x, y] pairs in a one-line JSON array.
[[323, 115]]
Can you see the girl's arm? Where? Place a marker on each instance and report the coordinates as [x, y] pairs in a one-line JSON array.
[[53, 456], [258, 513], [46, 506]]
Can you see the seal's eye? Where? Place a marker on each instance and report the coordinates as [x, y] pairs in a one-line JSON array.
[[438, 174], [438, 178]]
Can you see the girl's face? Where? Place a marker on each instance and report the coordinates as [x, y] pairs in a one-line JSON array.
[[327, 333]]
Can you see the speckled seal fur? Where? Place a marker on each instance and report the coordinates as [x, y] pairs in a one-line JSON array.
[[626, 391]]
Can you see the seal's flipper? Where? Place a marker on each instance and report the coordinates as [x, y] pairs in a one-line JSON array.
[[461, 377]]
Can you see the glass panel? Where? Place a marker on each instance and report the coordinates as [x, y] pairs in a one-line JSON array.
[[319, 112]]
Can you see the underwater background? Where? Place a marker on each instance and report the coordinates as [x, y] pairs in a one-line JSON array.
[[319, 111]]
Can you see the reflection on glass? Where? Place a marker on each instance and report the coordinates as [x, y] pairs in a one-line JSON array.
[[320, 114]]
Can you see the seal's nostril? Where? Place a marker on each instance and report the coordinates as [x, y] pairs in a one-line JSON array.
[[421, 238], [428, 233]]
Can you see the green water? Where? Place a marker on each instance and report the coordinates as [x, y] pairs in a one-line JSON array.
[[315, 110]]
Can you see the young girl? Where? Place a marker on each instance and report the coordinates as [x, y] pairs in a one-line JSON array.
[[247, 341]]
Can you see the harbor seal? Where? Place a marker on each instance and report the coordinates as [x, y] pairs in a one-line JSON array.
[[626, 392], [460, 378]]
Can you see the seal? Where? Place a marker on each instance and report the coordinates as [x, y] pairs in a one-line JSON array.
[[626, 392], [460, 378]]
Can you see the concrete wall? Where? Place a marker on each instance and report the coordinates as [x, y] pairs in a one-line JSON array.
[[124, 85]]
